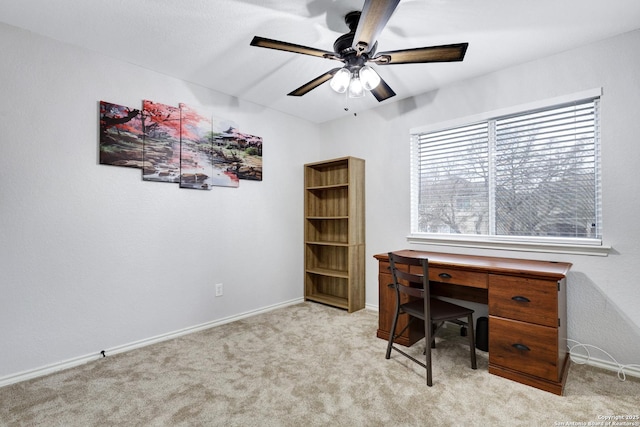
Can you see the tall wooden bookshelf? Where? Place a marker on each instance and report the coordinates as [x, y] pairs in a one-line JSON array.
[[335, 233]]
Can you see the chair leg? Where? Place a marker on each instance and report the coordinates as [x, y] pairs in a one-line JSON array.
[[428, 337], [472, 342], [392, 333]]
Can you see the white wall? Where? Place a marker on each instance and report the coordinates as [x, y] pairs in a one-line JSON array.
[[603, 292], [92, 257]]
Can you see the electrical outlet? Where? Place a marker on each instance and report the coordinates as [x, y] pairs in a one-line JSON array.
[[219, 289]]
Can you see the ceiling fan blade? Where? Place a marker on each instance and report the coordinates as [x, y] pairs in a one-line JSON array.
[[375, 14], [444, 53], [309, 86], [290, 47], [382, 91]]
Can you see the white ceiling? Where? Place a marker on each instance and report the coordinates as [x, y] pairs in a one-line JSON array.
[[207, 41]]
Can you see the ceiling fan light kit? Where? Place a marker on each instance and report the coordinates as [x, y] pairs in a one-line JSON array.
[[357, 47], [356, 82]]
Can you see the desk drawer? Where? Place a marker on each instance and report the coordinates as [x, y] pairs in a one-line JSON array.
[[524, 347], [445, 275], [384, 267], [459, 277], [528, 300]]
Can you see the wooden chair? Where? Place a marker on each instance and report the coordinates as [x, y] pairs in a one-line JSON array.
[[413, 288]]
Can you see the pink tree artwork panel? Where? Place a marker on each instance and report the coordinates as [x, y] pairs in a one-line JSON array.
[[121, 138], [161, 153]]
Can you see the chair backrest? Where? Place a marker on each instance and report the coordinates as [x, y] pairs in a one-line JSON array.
[[418, 281]]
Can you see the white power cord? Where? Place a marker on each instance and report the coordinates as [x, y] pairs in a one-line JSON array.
[[621, 368]]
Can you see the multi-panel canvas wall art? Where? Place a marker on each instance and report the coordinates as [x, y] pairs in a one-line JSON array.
[[185, 145]]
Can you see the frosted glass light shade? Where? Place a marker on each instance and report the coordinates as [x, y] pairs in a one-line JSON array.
[[340, 80], [356, 90], [370, 79]]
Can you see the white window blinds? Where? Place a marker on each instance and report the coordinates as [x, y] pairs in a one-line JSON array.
[[454, 176], [532, 175]]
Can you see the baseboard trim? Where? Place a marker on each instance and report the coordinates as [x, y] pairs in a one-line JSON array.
[[372, 307], [630, 370], [81, 360]]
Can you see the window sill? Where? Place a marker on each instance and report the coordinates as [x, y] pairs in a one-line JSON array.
[[462, 242]]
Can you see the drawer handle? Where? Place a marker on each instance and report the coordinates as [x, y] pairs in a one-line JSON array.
[[444, 275], [522, 347], [520, 298]]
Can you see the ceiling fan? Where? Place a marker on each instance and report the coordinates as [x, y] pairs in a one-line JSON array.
[[358, 47]]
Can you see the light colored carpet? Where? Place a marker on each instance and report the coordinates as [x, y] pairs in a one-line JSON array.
[[304, 365]]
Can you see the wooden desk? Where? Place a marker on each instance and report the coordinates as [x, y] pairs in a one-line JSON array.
[[527, 311]]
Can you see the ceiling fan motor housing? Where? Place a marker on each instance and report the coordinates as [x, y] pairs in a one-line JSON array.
[[343, 45]]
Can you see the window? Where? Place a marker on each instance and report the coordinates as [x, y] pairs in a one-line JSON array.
[[522, 177]]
